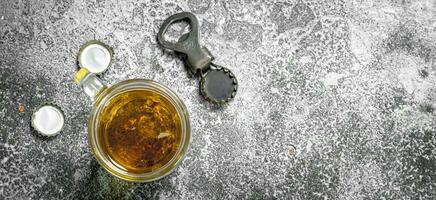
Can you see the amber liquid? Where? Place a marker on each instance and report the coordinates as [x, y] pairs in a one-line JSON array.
[[139, 130]]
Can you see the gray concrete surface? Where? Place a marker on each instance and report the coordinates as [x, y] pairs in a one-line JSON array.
[[336, 99]]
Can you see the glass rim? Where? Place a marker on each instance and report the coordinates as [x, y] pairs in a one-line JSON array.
[[135, 84]]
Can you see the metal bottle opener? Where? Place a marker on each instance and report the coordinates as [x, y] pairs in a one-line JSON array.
[[217, 84]]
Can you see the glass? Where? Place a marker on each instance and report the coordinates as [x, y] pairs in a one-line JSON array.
[[102, 95]]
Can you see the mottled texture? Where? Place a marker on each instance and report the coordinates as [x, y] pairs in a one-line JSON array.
[[336, 99]]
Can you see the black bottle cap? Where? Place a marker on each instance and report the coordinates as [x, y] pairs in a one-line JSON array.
[[218, 85]]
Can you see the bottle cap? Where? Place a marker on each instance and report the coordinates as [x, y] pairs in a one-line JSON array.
[[218, 85], [48, 120], [95, 56]]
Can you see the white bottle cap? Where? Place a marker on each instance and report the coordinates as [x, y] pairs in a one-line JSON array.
[[48, 120], [95, 56]]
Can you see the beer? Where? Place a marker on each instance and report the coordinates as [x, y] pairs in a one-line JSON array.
[[139, 130]]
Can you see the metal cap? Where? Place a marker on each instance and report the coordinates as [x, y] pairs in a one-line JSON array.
[[95, 56], [48, 119], [218, 85]]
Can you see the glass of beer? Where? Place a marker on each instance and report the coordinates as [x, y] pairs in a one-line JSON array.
[[138, 129]]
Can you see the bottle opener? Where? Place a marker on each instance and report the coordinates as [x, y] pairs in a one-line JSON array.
[[217, 84]]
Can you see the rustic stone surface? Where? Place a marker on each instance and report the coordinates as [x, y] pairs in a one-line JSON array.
[[335, 100]]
